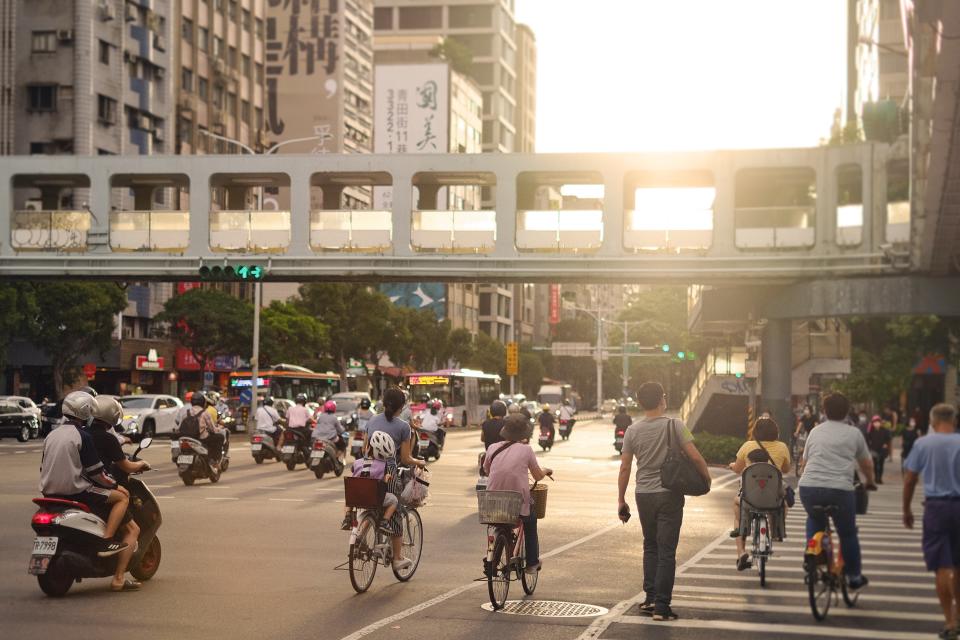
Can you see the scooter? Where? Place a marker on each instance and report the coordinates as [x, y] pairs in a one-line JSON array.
[[566, 426], [618, 438], [295, 449], [263, 447], [194, 461], [69, 536], [324, 459], [546, 439], [430, 444]]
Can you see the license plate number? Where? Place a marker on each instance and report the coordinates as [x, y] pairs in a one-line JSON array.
[[184, 459], [619, 440], [256, 447], [45, 545], [316, 454], [289, 449]]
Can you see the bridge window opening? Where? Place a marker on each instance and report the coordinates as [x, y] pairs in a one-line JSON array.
[[775, 208], [50, 212], [849, 205], [448, 216], [351, 212], [149, 212], [898, 201], [669, 212], [560, 211], [250, 213]]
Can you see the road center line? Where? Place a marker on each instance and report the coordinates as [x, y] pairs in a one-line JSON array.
[[379, 624]]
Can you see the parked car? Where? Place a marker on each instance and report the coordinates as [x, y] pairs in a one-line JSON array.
[[150, 415], [15, 421], [348, 401], [24, 403]]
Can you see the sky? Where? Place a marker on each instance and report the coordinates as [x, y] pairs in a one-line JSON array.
[[646, 75]]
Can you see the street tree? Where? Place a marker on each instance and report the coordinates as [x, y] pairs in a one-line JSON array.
[[532, 371], [287, 334], [208, 323], [17, 308], [488, 355], [418, 338], [73, 320]]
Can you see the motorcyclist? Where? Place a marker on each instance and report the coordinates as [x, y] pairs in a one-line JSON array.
[[268, 418], [223, 409], [364, 413], [547, 421], [211, 434], [329, 428], [432, 420], [622, 420], [71, 468], [491, 427], [566, 414], [106, 415]]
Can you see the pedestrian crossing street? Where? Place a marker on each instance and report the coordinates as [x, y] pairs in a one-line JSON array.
[[715, 601]]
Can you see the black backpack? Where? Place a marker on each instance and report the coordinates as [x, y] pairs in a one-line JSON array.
[[190, 426]]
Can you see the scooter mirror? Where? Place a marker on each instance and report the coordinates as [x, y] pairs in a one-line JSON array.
[[146, 442]]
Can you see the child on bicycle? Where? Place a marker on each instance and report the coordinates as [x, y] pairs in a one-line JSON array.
[[378, 462], [506, 465]]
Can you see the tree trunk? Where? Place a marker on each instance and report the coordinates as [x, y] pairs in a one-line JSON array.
[[344, 385], [58, 379]]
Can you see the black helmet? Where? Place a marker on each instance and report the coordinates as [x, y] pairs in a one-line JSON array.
[[498, 409], [622, 408], [301, 398], [198, 399], [89, 390], [365, 403], [268, 401]]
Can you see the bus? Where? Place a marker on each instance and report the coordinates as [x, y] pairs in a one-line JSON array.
[[280, 381], [465, 392]]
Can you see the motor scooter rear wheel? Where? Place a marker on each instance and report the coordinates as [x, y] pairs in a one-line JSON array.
[[56, 581]]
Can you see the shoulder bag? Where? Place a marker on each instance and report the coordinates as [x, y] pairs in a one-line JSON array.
[[678, 474]]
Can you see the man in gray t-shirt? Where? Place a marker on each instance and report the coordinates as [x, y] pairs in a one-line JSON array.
[[660, 511]]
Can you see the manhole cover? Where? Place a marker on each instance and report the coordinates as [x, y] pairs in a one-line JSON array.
[[548, 609]]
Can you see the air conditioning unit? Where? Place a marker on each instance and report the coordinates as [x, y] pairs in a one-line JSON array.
[[108, 11], [186, 103], [159, 43], [131, 15], [130, 57], [159, 73], [34, 204], [218, 128], [143, 122], [65, 35], [219, 66], [158, 134]]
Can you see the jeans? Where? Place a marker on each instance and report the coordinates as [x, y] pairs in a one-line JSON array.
[[661, 516], [845, 521], [530, 542]]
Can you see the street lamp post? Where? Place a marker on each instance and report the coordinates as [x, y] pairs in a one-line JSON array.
[[258, 286]]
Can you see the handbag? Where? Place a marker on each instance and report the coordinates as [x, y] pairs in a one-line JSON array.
[[677, 472], [861, 495]]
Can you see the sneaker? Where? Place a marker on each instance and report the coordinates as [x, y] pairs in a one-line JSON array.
[[665, 616], [402, 564], [743, 563], [947, 634], [857, 583], [385, 529], [533, 568], [735, 533], [347, 523], [111, 549], [646, 608]]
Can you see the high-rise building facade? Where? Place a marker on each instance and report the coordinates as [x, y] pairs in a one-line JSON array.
[[526, 112]]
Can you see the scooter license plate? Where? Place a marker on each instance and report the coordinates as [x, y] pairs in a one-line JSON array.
[[185, 459], [256, 447], [39, 565], [45, 545], [317, 454], [288, 449], [358, 444], [619, 440]]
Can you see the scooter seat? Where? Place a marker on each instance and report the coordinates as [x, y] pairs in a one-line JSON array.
[[60, 503]]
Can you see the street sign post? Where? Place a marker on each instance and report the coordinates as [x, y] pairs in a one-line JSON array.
[[513, 358]]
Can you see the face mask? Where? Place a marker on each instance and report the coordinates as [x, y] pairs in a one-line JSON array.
[[913, 423]]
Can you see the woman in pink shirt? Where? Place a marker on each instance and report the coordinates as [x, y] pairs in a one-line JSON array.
[[507, 464]]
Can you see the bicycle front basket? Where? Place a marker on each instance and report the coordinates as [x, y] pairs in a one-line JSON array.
[[499, 507]]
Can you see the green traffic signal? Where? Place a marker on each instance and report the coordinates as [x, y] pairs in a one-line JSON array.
[[249, 272], [665, 348], [681, 355]]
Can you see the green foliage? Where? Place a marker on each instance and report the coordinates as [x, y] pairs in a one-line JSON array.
[[71, 320], [579, 329], [289, 335], [717, 449], [456, 53], [532, 371], [460, 345], [418, 338], [208, 323], [488, 355], [18, 306]]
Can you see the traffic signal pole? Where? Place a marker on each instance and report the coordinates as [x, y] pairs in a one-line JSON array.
[[255, 358]]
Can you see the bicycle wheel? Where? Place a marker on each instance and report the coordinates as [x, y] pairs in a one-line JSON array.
[[820, 589], [363, 558], [849, 599], [529, 581], [762, 567], [498, 572], [412, 544]]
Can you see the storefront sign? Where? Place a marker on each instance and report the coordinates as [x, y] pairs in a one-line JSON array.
[[144, 363]]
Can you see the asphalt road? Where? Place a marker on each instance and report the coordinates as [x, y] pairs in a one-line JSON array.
[[254, 556]]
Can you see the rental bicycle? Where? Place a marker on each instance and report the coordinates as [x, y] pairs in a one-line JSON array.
[[761, 512], [799, 444], [823, 566], [762, 543], [506, 552]]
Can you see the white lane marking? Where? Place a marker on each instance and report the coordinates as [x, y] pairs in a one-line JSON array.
[[798, 571], [599, 625], [221, 498], [865, 550], [745, 577], [892, 563], [165, 497], [285, 499], [781, 593], [764, 628], [272, 488], [379, 624], [726, 483], [16, 453], [693, 603]]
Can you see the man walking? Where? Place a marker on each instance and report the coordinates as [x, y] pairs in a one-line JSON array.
[[660, 510], [936, 458]]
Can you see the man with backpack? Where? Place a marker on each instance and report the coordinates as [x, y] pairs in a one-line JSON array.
[[198, 424]]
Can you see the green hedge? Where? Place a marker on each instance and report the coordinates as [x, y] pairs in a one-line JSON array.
[[717, 449]]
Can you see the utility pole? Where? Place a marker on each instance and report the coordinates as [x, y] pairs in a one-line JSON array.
[[599, 358], [625, 376]]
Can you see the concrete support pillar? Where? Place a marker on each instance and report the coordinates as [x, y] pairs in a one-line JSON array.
[[402, 218], [7, 207], [724, 219], [428, 196], [332, 196], [237, 198], [506, 245], [143, 198], [300, 213], [776, 373], [613, 215], [200, 193]]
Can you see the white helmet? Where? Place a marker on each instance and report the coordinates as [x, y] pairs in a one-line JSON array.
[[382, 445], [108, 410], [79, 405]]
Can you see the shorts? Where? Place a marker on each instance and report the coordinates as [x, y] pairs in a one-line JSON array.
[[941, 533], [95, 498], [390, 500]]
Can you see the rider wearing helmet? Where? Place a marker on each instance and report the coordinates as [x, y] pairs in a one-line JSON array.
[[328, 427], [268, 420], [212, 435], [490, 429], [622, 420], [380, 462], [70, 468], [431, 418], [547, 421], [364, 413]]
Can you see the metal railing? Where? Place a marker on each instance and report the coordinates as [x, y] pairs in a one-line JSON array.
[[149, 230]]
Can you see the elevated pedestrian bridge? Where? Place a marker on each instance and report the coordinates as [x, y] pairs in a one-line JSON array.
[[710, 217]]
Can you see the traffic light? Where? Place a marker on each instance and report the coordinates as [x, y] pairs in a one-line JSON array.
[[665, 348], [681, 355], [248, 272]]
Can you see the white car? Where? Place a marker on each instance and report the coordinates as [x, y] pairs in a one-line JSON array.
[[150, 415], [25, 403]]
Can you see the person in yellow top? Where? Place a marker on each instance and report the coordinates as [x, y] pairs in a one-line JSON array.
[[764, 446]]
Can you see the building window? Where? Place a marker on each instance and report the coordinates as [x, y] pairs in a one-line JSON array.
[[471, 16], [421, 17], [185, 131], [245, 65], [218, 47], [44, 42], [202, 88], [247, 20], [218, 96], [259, 78], [186, 79], [186, 30], [482, 73], [232, 103], [233, 9], [104, 52], [203, 38], [383, 18], [106, 109], [488, 132], [259, 23], [245, 111], [258, 112], [232, 57], [479, 45], [42, 97]]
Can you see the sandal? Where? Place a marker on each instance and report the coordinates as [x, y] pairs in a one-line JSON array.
[[128, 585]]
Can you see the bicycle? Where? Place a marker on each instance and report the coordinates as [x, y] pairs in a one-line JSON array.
[[506, 551], [799, 443], [824, 569], [369, 546], [761, 510]]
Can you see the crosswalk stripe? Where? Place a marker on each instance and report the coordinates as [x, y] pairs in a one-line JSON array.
[[749, 577], [804, 630], [779, 593], [693, 603], [799, 571], [797, 557]]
